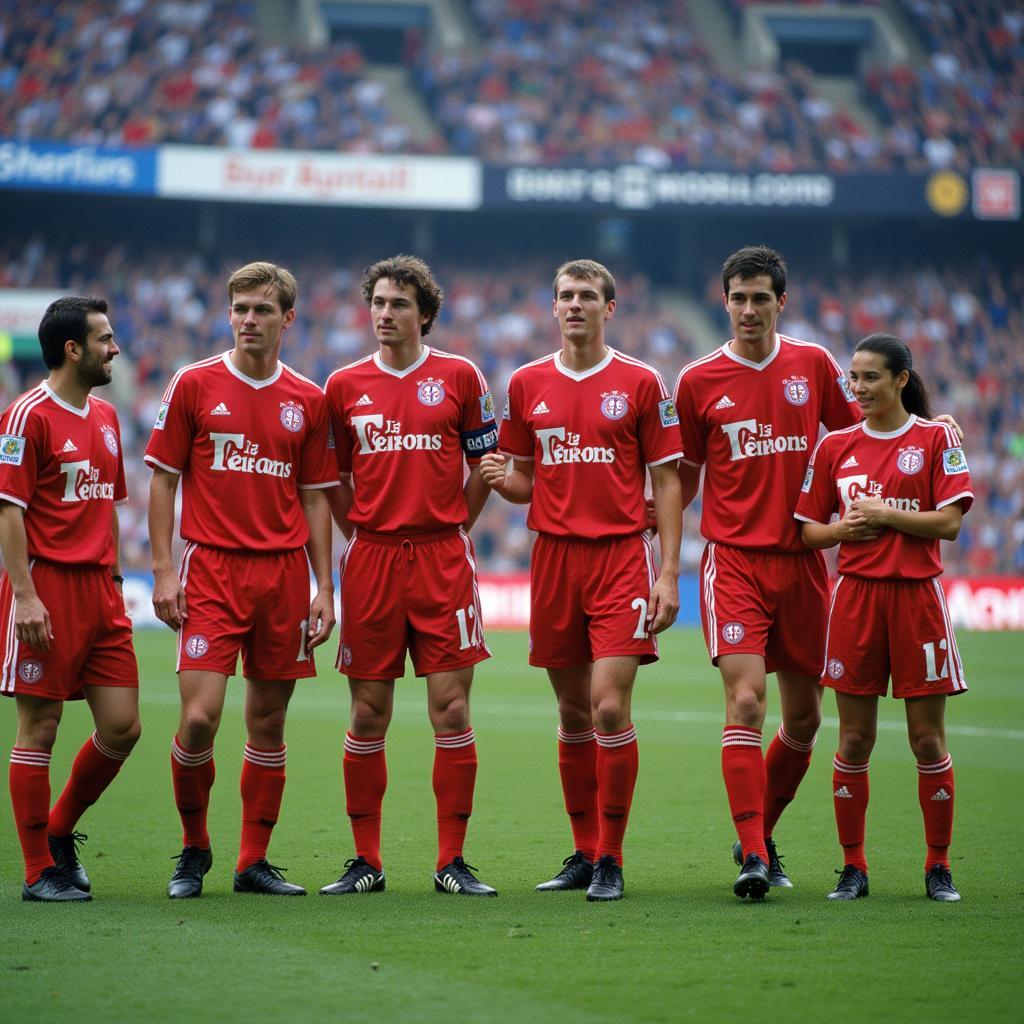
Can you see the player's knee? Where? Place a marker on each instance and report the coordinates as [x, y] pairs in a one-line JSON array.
[[452, 716], [574, 716], [40, 734], [928, 747], [748, 709], [121, 735], [367, 720], [802, 726], [611, 714], [198, 728], [855, 745]]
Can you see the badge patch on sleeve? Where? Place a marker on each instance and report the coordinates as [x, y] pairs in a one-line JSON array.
[[12, 449], [161, 416], [507, 411], [808, 480], [844, 386], [953, 461], [487, 408], [668, 414]]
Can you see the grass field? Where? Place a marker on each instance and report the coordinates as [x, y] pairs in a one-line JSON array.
[[680, 947]]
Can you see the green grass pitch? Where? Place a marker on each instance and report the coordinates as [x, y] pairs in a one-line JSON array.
[[680, 947]]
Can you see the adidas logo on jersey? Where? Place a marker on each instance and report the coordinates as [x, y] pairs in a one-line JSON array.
[[365, 400], [725, 402], [541, 409], [942, 795], [850, 462], [220, 409], [69, 446], [843, 793]]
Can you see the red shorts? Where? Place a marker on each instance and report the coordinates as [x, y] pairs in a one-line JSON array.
[[248, 601], [92, 635], [413, 593], [769, 603], [898, 628], [588, 600]]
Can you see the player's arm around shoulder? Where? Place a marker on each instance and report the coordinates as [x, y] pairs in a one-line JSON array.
[[31, 619], [668, 513]]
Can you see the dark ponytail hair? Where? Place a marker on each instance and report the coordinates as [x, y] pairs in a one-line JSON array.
[[897, 359]]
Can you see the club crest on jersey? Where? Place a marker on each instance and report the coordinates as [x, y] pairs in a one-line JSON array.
[[796, 391], [292, 417], [430, 391], [953, 461], [668, 414], [12, 449], [733, 632], [614, 404], [910, 460], [196, 645], [109, 438], [161, 416], [346, 655], [30, 670], [835, 668], [487, 407]]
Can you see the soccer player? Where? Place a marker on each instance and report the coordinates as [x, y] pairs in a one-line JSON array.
[[900, 484], [750, 412], [250, 438], [66, 635], [583, 426], [408, 421]]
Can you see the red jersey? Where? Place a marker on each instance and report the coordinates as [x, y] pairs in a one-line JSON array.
[[591, 437], [755, 426], [405, 437], [244, 448], [63, 465], [918, 468]]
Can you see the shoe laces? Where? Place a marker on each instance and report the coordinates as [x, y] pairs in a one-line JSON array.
[[352, 865], [58, 879], [941, 877], [272, 869], [774, 857], [459, 866], [189, 860], [604, 870], [848, 877]]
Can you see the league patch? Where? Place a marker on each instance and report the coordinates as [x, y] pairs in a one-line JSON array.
[[431, 392], [196, 645], [733, 632], [835, 668], [292, 417], [331, 445], [614, 405], [109, 438], [161, 416], [668, 414], [30, 670], [479, 442], [910, 460], [12, 449], [506, 412], [808, 480], [844, 386], [796, 391], [953, 461], [487, 408]]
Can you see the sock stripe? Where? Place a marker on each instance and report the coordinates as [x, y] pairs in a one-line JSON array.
[[188, 758], [266, 758], [741, 736], [576, 737], [363, 747], [114, 755], [850, 769], [454, 740], [609, 740], [793, 744], [937, 767], [39, 758]]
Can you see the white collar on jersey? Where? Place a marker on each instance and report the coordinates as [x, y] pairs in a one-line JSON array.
[[249, 380], [763, 365], [583, 374], [65, 405], [381, 365], [884, 435]]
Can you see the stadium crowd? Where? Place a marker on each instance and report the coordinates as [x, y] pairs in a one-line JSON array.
[[960, 321], [646, 89]]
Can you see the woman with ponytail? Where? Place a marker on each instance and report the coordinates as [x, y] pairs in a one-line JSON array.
[[899, 483]]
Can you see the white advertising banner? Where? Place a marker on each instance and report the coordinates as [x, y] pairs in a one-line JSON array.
[[319, 179]]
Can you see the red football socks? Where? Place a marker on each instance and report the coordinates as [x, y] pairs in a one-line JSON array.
[[577, 768], [29, 779], [744, 774], [617, 763], [365, 769], [785, 765], [94, 769], [262, 787], [850, 792], [454, 780], [192, 773], [935, 792]]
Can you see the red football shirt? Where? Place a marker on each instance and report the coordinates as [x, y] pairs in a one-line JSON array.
[[755, 426], [63, 465], [243, 448], [918, 468], [406, 435], [591, 437]]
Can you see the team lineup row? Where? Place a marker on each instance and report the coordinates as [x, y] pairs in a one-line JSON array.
[[402, 449]]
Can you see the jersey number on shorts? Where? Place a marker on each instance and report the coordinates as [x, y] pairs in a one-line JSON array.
[[930, 662], [641, 623], [469, 628], [303, 654]]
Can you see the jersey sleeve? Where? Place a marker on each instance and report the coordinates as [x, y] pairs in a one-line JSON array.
[[121, 483], [171, 440], [658, 422], [691, 432], [817, 500], [336, 424], [478, 432], [317, 466], [951, 478], [839, 408], [514, 436], [19, 460]]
